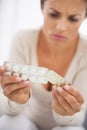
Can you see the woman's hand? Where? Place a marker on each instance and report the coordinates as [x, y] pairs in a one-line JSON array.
[[67, 100], [14, 88]]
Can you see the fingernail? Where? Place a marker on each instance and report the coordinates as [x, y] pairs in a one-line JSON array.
[[18, 79], [67, 87], [7, 73], [26, 82], [54, 88], [59, 89]]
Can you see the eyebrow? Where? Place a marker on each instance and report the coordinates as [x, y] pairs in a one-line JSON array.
[[56, 11], [71, 15]]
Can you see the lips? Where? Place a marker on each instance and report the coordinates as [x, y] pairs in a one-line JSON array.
[[57, 36]]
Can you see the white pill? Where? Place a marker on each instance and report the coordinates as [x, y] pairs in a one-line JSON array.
[[8, 66], [15, 68], [42, 72], [33, 79], [24, 70], [42, 80], [24, 77], [33, 71], [16, 74]]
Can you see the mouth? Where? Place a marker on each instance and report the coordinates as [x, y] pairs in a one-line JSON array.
[[59, 37]]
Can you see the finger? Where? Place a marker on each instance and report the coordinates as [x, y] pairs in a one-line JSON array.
[[75, 93], [71, 100], [57, 107], [54, 97], [12, 87], [20, 95], [2, 70], [65, 105], [10, 79]]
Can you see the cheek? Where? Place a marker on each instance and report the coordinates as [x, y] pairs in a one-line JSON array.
[[73, 30], [48, 26]]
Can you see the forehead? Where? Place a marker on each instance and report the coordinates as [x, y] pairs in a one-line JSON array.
[[70, 6]]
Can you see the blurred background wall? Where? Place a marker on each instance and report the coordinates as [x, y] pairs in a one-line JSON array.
[[17, 15]]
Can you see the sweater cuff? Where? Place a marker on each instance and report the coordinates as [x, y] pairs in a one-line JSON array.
[[76, 119], [15, 108]]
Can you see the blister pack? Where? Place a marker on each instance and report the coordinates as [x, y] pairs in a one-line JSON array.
[[56, 79], [35, 74]]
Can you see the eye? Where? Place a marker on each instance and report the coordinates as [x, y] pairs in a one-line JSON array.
[[53, 15], [73, 19]]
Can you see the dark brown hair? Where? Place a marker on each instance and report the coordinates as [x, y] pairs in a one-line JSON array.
[[42, 3]]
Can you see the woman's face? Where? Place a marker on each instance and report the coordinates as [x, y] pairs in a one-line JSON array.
[[62, 19]]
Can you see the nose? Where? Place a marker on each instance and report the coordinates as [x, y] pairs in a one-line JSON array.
[[61, 25]]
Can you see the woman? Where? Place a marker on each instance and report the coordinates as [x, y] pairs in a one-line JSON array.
[[57, 46]]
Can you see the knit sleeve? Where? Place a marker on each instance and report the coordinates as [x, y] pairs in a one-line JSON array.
[[10, 107]]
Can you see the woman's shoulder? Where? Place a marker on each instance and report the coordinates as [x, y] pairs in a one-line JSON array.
[[25, 38], [29, 34], [81, 54], [82, 48]]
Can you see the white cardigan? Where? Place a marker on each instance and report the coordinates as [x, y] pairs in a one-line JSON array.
[[38, 109]]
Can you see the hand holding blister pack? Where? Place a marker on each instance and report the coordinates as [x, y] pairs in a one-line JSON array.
[[35, 74]]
